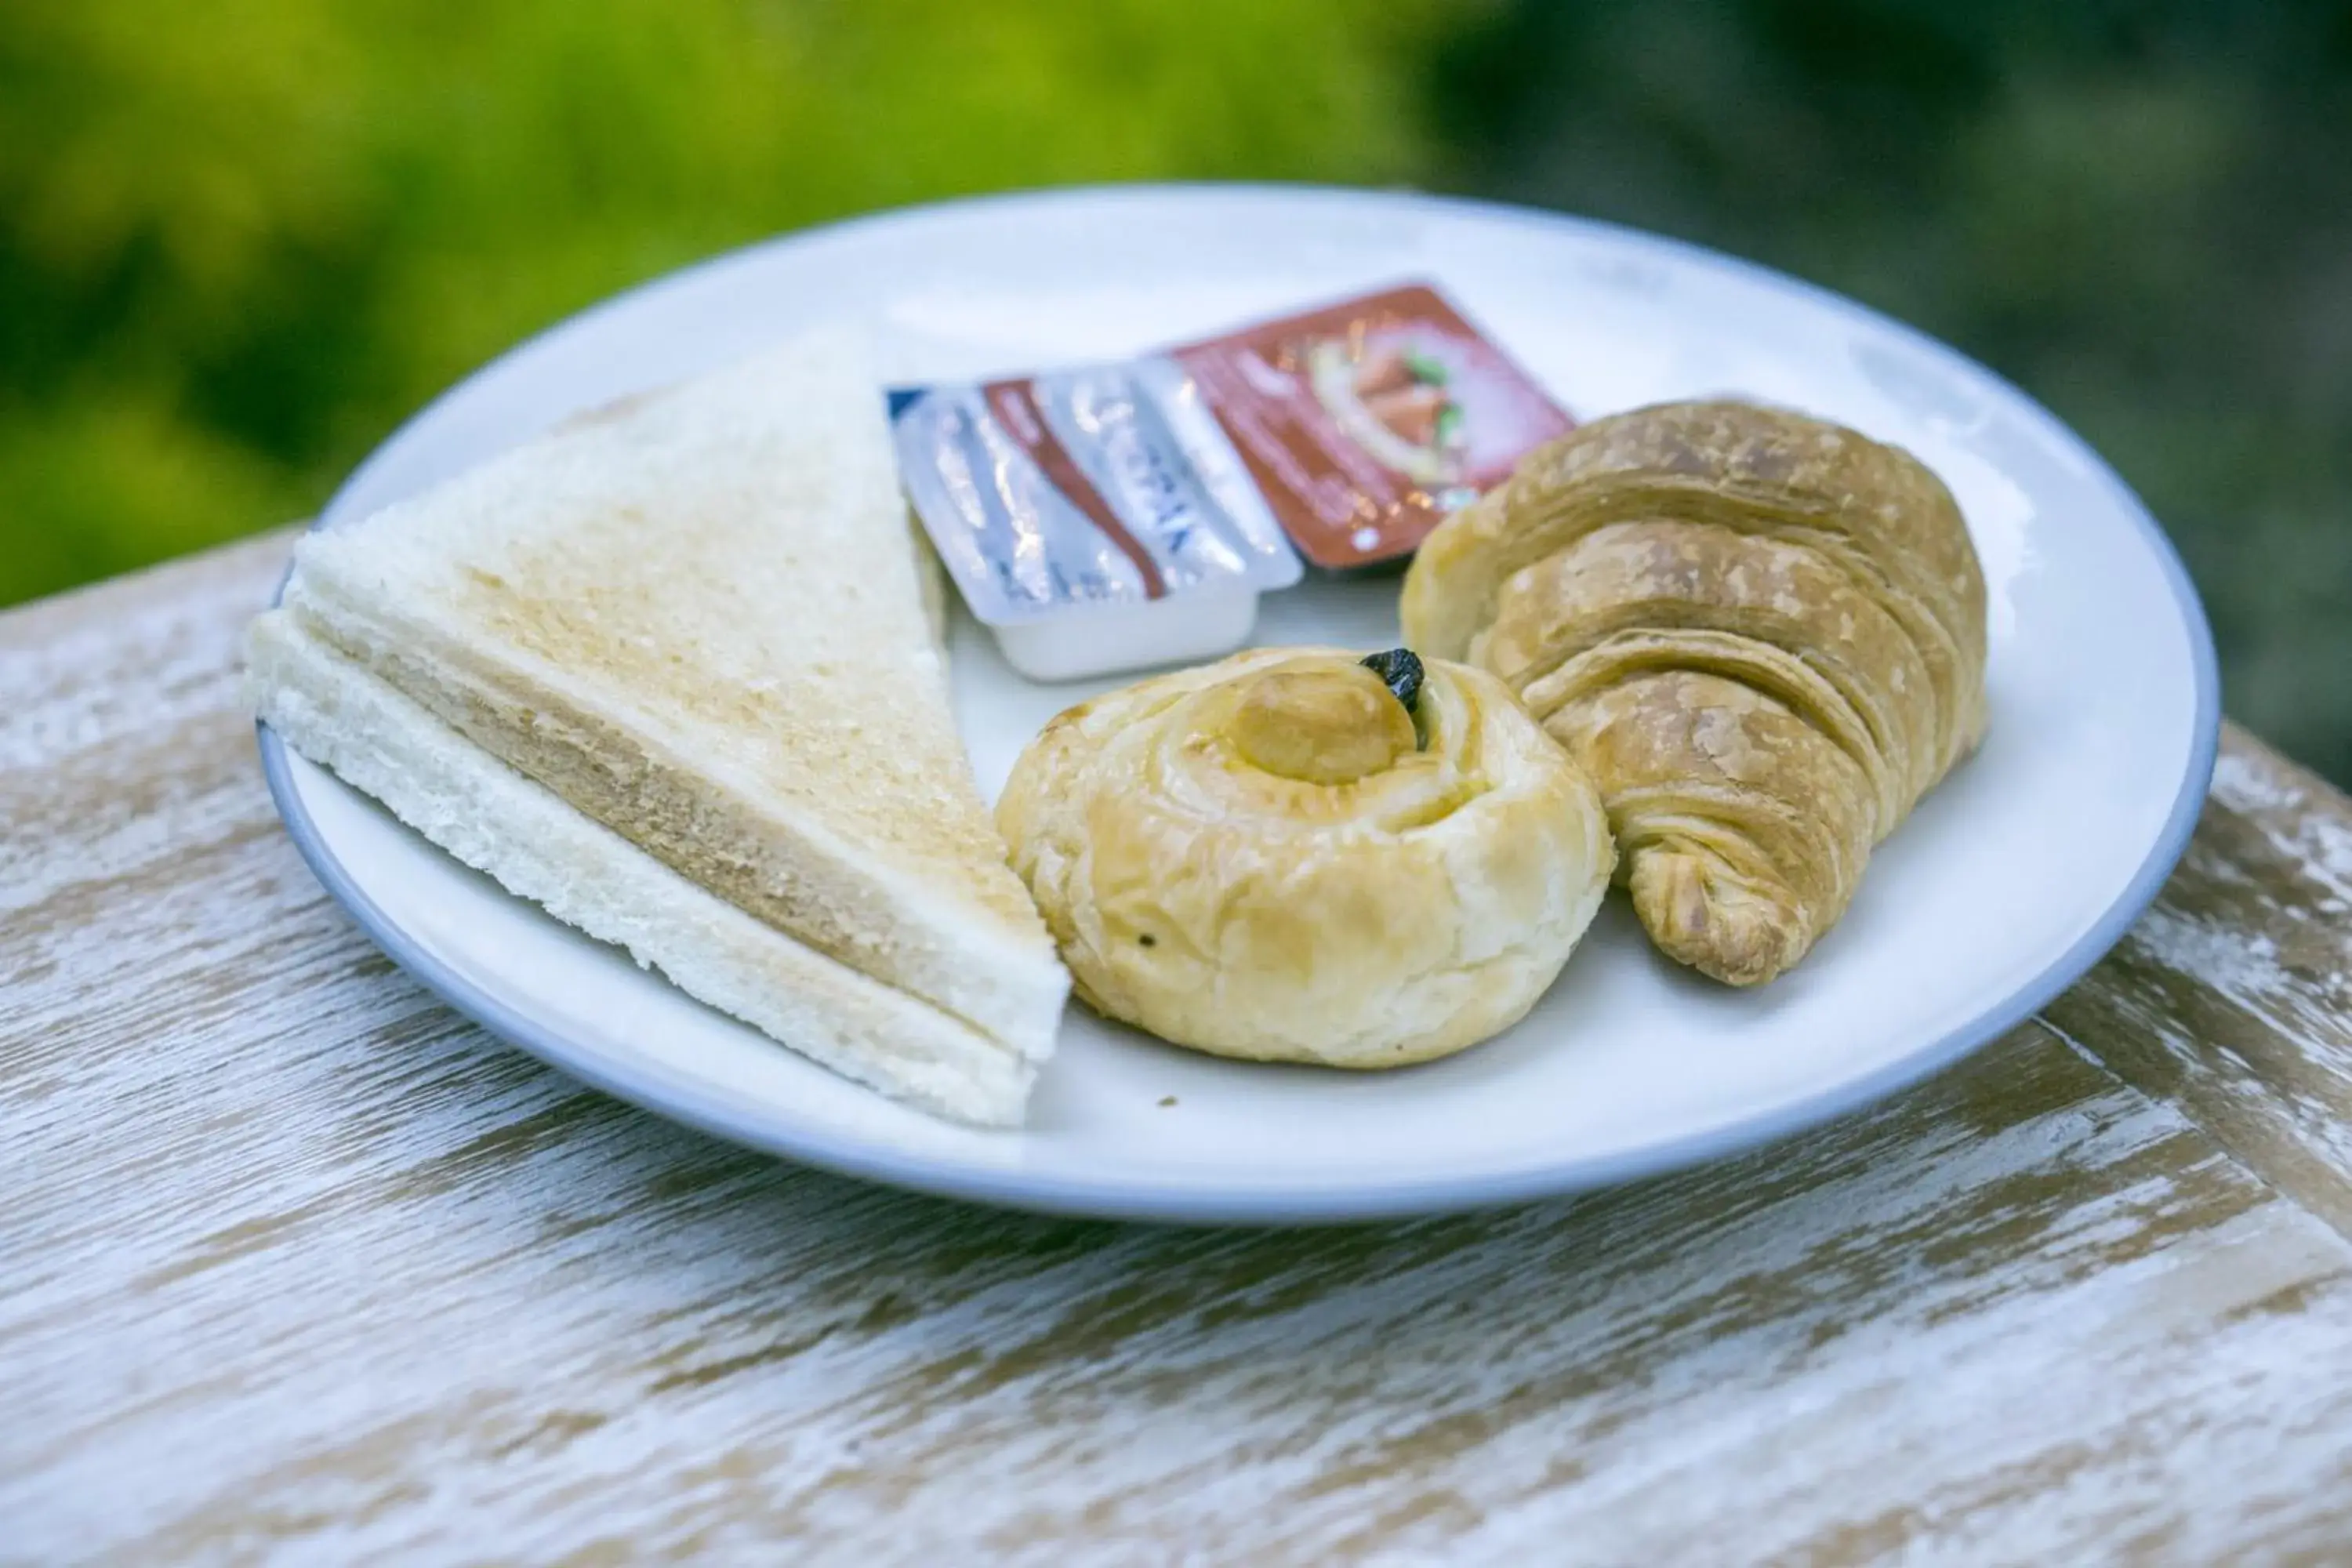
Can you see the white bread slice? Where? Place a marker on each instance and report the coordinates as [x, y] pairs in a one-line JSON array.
[[489, 817], [698, 617]]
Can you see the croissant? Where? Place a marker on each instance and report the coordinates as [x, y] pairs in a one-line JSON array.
[[1762, 634], [1285, 857]]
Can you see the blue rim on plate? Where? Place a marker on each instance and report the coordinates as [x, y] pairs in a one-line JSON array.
[[1126, 1199]]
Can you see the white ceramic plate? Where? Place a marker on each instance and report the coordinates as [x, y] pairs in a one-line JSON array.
[[2009, 880]]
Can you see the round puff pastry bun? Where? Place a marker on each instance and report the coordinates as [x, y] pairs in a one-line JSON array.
[[1285, 856]]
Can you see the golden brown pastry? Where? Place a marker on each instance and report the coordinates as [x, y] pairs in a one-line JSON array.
[[1286, 856], [1762, 634]]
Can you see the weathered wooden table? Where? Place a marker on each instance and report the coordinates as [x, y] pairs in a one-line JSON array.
[[296, 1264]]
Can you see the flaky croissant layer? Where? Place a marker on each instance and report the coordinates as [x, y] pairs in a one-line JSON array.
[[1273, 856], [1761, 633]]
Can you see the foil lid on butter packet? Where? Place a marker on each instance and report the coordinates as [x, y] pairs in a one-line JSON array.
[[1116, 515], [1103, 485]]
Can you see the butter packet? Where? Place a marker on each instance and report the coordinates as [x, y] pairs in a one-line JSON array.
[[1127, 514], [1094, 519]]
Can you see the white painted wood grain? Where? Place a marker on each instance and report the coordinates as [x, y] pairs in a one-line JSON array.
[[295, 1265], [2233, 997]]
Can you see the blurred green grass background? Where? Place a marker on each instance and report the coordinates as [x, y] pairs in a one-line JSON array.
[[239, 242]]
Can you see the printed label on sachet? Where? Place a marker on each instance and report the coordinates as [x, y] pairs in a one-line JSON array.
[[1365, 422]]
